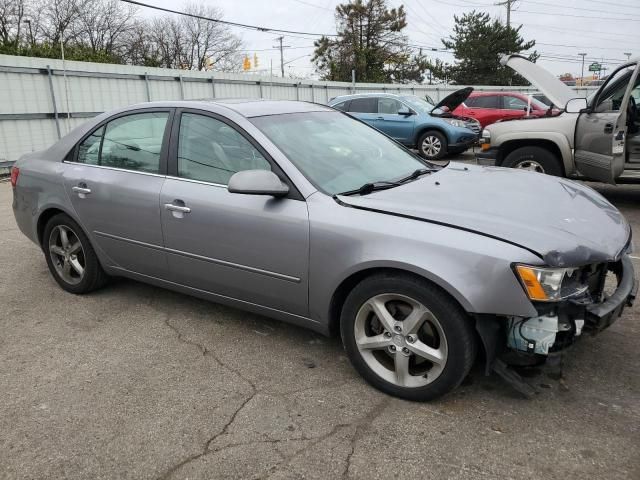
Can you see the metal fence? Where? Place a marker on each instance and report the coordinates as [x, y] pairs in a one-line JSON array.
[[40, 101]]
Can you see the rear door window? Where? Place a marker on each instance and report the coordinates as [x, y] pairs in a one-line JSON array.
[[364, 105], [484, 101], [132, 142]]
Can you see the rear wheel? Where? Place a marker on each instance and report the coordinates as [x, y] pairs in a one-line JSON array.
[[70, 256], [432, 145], [406, 337], [537, 159]]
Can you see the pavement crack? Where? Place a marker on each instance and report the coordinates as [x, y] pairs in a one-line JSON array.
[[362, 426]]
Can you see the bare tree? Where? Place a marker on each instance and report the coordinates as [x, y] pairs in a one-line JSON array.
[[103, 24], [108, 30], [60, 20], [11, 18], [208, 42]]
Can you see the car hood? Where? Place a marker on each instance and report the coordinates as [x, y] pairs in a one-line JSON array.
[[453, 100], [565, 223], [543, 80]]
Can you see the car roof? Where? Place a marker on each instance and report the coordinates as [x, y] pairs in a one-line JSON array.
[[342, 98], [484, 93], [247, 107]]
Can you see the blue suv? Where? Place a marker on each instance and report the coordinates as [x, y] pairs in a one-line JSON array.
[[414, 122]]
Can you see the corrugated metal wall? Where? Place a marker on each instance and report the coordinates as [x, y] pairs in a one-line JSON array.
[[34, 98]]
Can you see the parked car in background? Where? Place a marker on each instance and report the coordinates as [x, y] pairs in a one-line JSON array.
[[491, 107], [414, 122], [541, 97], [296, 211], [596, 138]]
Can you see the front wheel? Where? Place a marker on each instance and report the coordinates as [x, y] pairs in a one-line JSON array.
[[432, 145], [537, 159], [406, 337]]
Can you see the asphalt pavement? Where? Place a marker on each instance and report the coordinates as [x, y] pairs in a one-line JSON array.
[[138, 382]]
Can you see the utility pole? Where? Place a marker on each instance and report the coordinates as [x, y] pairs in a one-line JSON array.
[[281, 47], [628, 56], [508, 4], [582, 74]]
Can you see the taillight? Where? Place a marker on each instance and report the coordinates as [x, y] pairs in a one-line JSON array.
[[15, 172]]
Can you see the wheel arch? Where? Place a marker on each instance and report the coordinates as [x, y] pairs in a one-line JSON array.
[[341, 292], [556, 145], [486, 327], [47, 214], [430, 128]]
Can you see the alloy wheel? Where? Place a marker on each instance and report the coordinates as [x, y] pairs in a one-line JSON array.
[[67, 254], [431, 146], [401, 340]]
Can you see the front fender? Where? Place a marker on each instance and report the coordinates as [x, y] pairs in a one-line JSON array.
[[472, 268]]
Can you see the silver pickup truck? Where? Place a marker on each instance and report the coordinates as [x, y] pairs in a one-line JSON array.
[[596, 138]]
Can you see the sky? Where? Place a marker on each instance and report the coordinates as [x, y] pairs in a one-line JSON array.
[[603, 29]]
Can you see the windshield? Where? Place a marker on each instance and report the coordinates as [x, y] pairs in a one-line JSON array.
[[418, 104], [335, 152]]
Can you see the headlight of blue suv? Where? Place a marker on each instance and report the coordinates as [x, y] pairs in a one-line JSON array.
[[454, 122]]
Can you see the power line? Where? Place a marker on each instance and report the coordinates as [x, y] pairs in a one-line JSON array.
[[309, 4], [582, 9], [617, 19], [225, 22]]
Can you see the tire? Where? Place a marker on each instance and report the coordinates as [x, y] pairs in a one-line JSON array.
[[446, 328], [65, 262], [437, 140], [534, 158]]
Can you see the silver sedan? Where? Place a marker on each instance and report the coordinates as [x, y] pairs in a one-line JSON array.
[[301, 213]]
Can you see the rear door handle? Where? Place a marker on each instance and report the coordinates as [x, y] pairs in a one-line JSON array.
[[608, 128], [379, 118]]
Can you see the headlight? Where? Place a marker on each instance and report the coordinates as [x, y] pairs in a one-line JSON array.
[[454, 122], [550, 284], [486, 136]]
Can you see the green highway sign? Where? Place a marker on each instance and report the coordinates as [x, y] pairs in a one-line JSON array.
[[595, 67]]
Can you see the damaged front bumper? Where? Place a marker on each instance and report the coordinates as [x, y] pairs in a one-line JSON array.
[[558, 325]]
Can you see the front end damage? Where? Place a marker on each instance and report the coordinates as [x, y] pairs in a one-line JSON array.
[[511, 342]]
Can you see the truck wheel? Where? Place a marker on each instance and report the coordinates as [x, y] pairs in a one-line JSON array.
[[537, 159], [432, 145]]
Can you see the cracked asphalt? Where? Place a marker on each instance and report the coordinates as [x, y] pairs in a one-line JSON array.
[[138, 382]]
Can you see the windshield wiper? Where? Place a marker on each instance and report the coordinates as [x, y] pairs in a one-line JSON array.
[[369, 187]]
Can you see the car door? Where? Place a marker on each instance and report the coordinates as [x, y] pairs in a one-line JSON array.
[[399, 127], [601, 131], [365, 109], [114, 178], [253, 248]]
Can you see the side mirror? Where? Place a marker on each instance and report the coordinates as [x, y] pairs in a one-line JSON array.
[[576, 105], [406, 111], [257, 182]]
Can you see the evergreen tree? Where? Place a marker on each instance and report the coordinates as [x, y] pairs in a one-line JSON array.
[[477, 43], [370, 41]]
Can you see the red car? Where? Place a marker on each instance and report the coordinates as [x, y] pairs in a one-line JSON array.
[[490, 107]]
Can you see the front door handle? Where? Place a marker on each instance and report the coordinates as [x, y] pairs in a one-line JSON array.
[[379, 118], [81, 190], [177, 208], [608, 128]]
